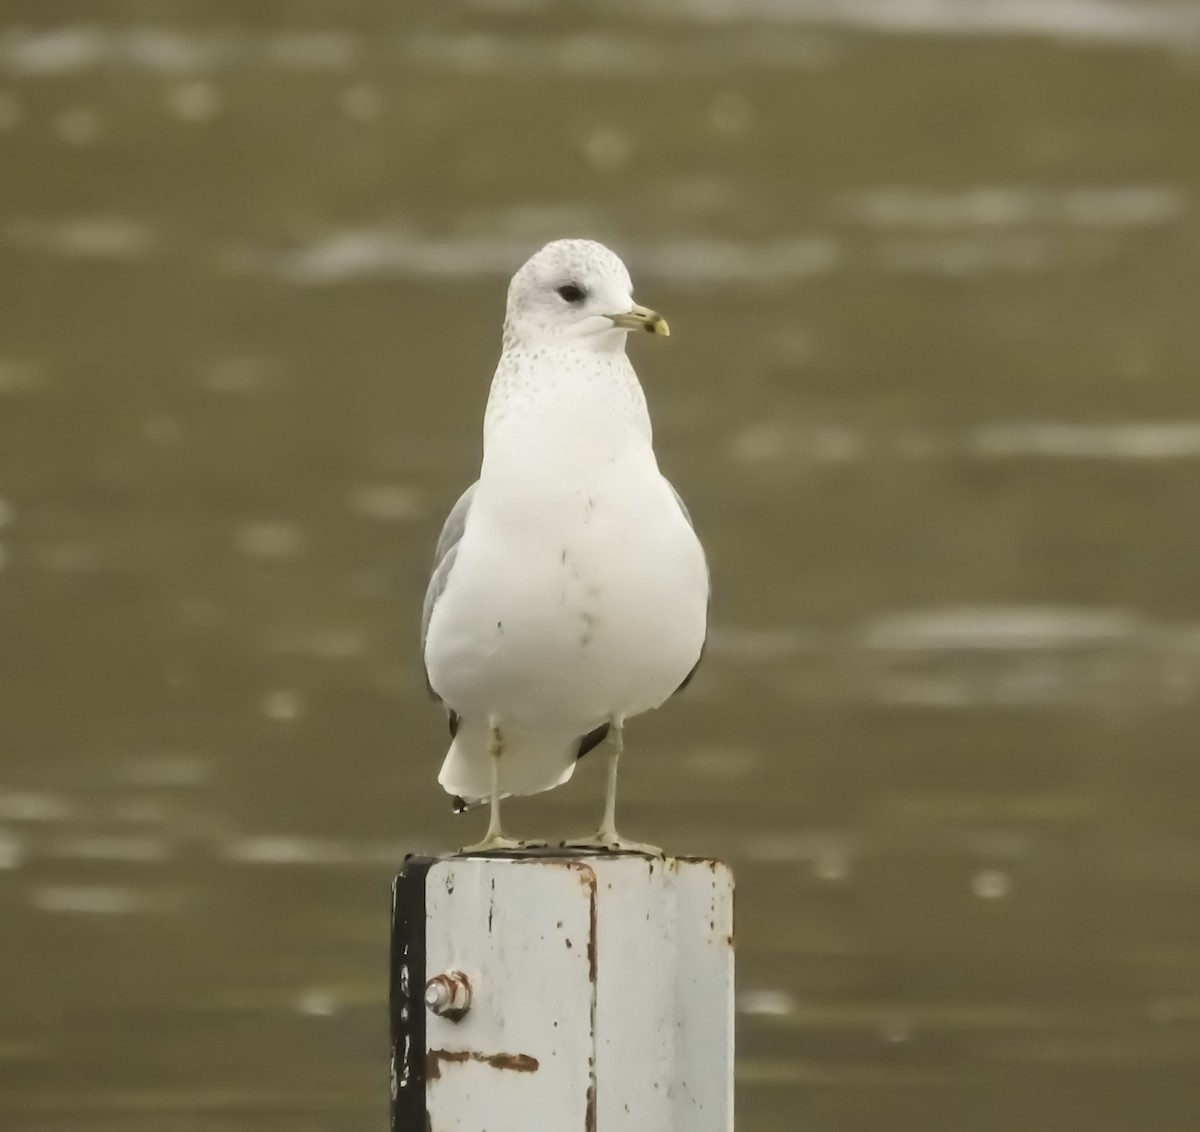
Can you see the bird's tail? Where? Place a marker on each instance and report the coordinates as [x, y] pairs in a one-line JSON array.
[[530, 763]]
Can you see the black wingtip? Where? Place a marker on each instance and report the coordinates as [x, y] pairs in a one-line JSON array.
[[688, 678], [459, 805], [592, 739]]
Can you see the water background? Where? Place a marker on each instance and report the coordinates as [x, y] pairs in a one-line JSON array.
[[932, 396]]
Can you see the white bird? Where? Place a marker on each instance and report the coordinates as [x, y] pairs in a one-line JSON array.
[[569, 591]]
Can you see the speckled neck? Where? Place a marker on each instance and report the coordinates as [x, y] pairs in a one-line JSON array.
[[561, 408]]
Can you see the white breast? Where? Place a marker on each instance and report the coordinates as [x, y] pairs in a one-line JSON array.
[[579, 591]]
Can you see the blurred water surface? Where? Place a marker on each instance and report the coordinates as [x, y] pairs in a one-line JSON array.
[[932, 271]]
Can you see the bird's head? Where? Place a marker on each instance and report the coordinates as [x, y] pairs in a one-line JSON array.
[[575, 293]]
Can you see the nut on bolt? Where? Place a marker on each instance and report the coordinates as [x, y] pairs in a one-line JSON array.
[[448, 995]]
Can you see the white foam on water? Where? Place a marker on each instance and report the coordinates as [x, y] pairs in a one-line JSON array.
[[111, 847], [50, 51], [995, 628], [238, 374], [388, 502], [1007, 206], [699, 261], [762, 645], [281, 850], [1123, 441], [895, 1029], [97, 900], [991, 884], [71, 49], [269, 538], [397, 252], [194, 101], [31, 806], [328, 50], [982, 231], [317, 1002], [958, 658], [749, 35], [988, 230], [945, 692], [82, 237], [615, 55], [766, 1002], [1134, 442], [772, 441], [967, 256], [348, 256], [482, 53], [362, 102], [283, 705], [830, 855], [171, 771], [1173, 24], [962, 657], [12, 850], [141, 811]]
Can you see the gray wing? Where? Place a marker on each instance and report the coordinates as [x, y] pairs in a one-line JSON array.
[[443, 557], [682, 506], [688, 516]]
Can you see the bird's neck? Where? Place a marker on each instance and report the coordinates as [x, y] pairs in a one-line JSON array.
[[563, 411]]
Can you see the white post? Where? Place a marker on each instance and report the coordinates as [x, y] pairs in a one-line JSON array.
[[553, 992]]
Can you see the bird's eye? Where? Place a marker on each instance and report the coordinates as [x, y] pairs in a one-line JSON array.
[[571, 293]]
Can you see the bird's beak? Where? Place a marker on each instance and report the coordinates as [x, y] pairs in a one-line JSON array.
[[641, 318]]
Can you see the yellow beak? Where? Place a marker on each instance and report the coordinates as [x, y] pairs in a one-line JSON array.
[[641, 318]]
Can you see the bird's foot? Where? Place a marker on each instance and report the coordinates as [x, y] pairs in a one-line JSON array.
[[608, 841], [498, 843]]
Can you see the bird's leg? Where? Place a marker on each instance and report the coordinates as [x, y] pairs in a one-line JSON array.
[[494, 839], [495, 750], [606, 837], [608, 824]]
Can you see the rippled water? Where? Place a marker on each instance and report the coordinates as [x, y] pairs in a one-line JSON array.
[[931, 268]]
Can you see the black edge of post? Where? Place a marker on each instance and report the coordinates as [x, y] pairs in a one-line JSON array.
[[406, 996]]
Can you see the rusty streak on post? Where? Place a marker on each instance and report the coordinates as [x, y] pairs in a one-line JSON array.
[[589, 1120], [517, 1062], [587, 878], [621, 1044], [592, 957]]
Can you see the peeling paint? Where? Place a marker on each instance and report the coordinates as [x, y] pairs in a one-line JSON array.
[[549, 1009], [516, 1062], [591, 949], [593, 972]]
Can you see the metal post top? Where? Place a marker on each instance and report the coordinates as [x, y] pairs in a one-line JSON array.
[[592, 989], [559, 854]]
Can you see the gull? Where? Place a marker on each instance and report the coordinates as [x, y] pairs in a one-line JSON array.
[[569, 591]]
